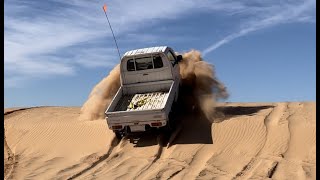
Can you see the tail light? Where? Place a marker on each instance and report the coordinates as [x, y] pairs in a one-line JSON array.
[[156, 124], [117, 127]]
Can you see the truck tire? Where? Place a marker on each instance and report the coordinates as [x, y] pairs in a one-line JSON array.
[[171, 124], [118, 135]]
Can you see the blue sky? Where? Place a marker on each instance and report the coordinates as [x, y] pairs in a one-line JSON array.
[[56, 51]]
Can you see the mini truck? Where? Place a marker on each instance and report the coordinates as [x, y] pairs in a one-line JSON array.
[[150, 80]]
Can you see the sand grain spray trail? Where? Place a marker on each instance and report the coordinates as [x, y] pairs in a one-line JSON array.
[[200, 88]]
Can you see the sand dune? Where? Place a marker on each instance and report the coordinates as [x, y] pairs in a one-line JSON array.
[[245, 141]]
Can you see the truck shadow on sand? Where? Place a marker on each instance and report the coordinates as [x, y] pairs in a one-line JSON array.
[[227, 112], [148, 138], [196, 128]]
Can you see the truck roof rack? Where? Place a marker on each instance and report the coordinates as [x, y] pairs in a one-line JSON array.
[[146, 50]]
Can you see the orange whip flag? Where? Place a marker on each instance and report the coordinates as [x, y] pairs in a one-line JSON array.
[[105, 8], [115, 41]]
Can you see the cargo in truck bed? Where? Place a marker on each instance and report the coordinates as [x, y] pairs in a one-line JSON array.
[[145, 101]]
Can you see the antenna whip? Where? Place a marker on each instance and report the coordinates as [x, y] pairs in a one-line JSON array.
[[105, 12]]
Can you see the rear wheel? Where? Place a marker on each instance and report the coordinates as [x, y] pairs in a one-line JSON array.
[[171, 124], [118, 135]]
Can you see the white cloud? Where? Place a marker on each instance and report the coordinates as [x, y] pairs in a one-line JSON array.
[[37, 35], [275, 15]]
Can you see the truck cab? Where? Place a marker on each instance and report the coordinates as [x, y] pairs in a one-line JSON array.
[[149, 65]]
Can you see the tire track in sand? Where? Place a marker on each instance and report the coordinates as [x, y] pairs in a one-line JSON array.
[[161, 142], [11, 159], [127, 155], [265, 163], [299, 160], [114, 143]]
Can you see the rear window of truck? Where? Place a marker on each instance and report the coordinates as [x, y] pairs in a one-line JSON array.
[[144, 63]]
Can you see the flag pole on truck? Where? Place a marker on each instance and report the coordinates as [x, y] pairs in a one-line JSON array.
[[105, 12]]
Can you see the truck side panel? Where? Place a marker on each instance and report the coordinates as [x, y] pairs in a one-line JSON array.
[[172, 96], [115, 99]]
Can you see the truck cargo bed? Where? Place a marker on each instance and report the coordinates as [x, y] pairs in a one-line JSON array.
[[132, 100], [145, 101]]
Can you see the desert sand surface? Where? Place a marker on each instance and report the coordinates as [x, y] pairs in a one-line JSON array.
[[245, 141]]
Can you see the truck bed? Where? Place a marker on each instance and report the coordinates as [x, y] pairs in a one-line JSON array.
[[153, 100], [134, 100]]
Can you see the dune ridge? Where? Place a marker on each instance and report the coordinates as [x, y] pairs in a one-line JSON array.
[[248, 140]]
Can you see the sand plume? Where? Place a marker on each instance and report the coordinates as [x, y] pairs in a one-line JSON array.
[[101, 96], [200, 88]]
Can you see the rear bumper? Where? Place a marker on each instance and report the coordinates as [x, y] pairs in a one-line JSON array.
[[137, 126]]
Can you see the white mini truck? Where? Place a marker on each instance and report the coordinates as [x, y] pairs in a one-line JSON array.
[[149, 89]]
